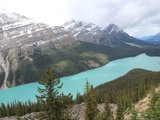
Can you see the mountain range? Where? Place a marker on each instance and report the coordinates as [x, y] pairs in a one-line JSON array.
[[153, 39], [111, 35], [28, 47]]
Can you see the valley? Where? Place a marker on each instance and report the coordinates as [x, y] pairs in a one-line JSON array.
[[95, 63], [28, 47]]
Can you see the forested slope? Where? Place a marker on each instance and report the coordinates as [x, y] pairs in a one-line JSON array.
[[129, 88]]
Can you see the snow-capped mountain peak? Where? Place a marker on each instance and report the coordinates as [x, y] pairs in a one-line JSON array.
[[111, 35], [24, 32], [79, 27], [69, 22], [112, 28], [7, 17], [78, 24]]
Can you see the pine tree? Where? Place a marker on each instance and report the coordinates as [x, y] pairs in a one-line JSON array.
[[108, 111], [102, 116], [79, 98], [106, 114], [153, 112], [107, 108], [67, 104], [91, 109], [134, 113], [119, 113], [49, 98], [18, 108]]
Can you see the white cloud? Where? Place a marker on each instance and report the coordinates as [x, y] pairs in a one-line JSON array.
[[137, 17], [53, 12]]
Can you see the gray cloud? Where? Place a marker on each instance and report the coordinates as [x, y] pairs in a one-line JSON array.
[[138, 17]]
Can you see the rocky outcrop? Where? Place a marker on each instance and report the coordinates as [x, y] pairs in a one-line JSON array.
[[77, 112], [5, 67], [9, 63], [92, 64]]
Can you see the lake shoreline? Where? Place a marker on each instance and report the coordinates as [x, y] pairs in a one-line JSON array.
[[75, 83]]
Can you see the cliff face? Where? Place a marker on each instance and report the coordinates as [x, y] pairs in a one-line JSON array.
[[19, 37], [9, 65]]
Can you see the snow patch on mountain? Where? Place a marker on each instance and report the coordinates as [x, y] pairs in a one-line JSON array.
[[112, 28], [7, 17]]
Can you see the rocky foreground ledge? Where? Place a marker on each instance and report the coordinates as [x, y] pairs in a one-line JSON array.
[[77, 113]]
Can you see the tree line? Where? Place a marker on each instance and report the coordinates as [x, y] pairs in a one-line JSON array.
[[123, 91], [129, 88]]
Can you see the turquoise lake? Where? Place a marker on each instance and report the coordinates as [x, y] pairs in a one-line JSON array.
[[75, 83]]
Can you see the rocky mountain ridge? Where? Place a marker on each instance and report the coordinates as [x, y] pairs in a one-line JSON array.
[[21, 37], [111, 35], [153, 39]]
